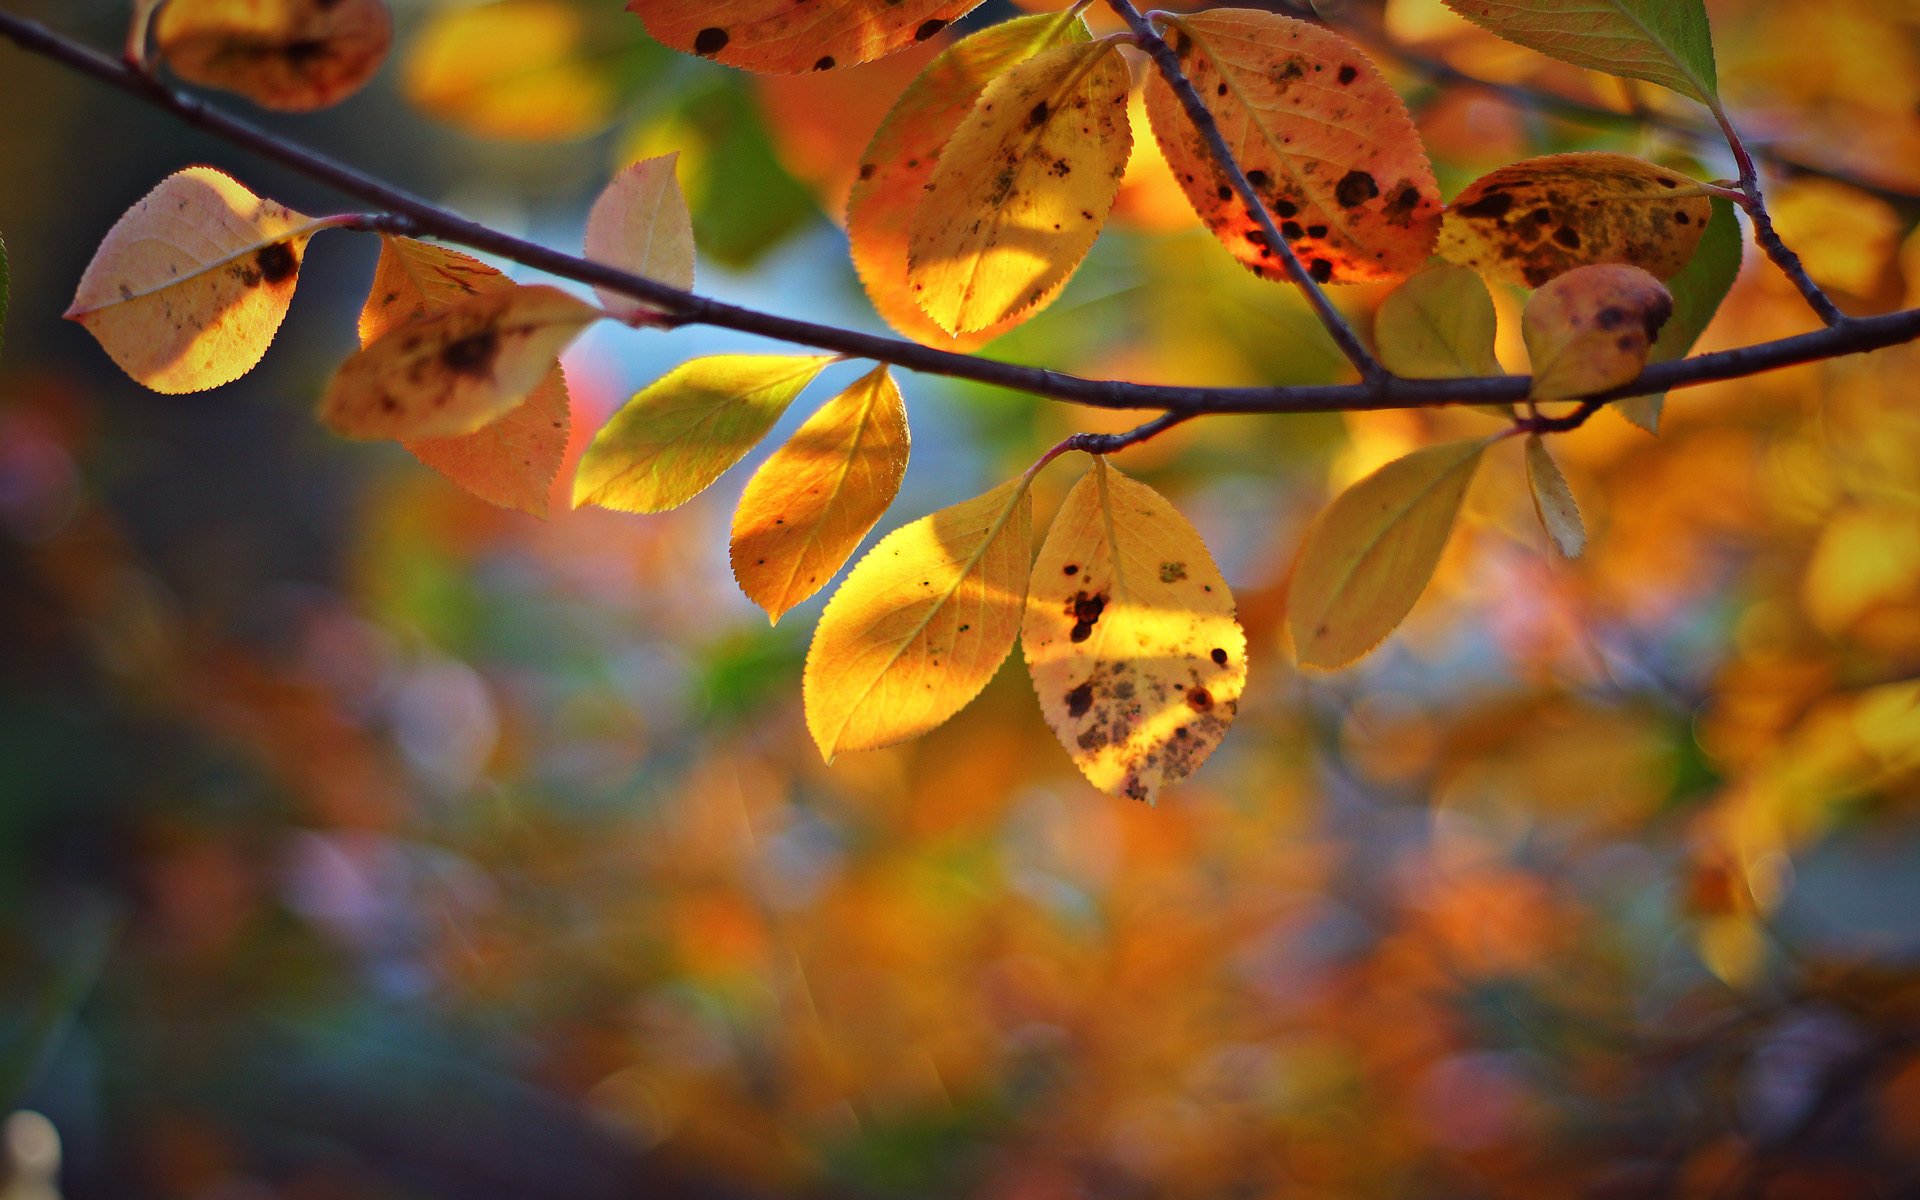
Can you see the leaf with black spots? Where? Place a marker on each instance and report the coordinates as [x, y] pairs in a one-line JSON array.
[[781, 36], [1592, 329], [294, 55]]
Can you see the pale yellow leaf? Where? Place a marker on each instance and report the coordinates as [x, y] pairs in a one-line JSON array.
[[526, 70], [1130, 638], [510, 461], [811, 502], [286, 54], [1553, 500], [784, 36], [921, 623], [455, 370], [1368, 557], [1022, 188], [676, 437], [640, 224], [1440, 324], [190, 285], [1592, 329]]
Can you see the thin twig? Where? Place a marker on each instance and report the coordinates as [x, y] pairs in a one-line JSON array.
[[1764, 234]]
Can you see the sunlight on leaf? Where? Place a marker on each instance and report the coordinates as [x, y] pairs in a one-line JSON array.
[[672, 440], [640, 224], [1368, 557], [286, 54], [781, 37], [1592, 329], [188, 288], [1553, 500], [811, 502], [1130, 638], [517, 69], [1667, 42], [1440, 324], [921, 623]]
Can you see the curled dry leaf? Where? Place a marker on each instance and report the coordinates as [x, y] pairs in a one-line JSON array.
[[905, 149], [1368, 557], [811, 502], [640, 224], [1533, 220], [1667, 42], [1440, 324], [781, 37], [1022, 188], [1130, 638], [511, 461], [668, 443], [1323, 138], [921, 623], [455, 370], [189, 286], [286, 54], [1592, 329], [1553, 500]]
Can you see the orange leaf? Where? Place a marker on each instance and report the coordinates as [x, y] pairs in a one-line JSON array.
[[286, 54], [781, 37]]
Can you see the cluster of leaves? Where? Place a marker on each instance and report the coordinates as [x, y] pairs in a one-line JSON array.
[[976, 201]]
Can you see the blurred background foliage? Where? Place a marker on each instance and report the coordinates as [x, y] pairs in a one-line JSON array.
[[360, 840]]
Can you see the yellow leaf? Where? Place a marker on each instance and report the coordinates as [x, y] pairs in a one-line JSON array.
[[511, 461], [781, 37], [1130, 638], [921, 623], [1440, 324], [1533, 220], [1022, 189], [674, 438], [518, 69], [1322, 136], [809, 504], [905, 149], [190, 285], [1592, 329], [287, 54], [640, 224], [455, 370], [1553, 500], [1368, 557]]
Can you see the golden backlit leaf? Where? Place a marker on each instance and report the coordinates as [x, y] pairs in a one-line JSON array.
[[525, 70], [1667, 42], [1532, 220], [906, 148], [921, 623], [811, 502], [189, 286], [673, 439], [640, 224], [455, 370], [287, 54], [1368, 557], [1130, 638], [1592, 329], [1322, 136], [1022, 188], [510, 461], [1440, 324], [781, 36], [1553, 500]]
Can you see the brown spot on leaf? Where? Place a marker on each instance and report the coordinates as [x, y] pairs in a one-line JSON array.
[[1355, 187], [710, 41], [471, 355], [1080, 699]]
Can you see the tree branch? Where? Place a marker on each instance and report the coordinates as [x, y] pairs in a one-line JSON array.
[[402, 212]]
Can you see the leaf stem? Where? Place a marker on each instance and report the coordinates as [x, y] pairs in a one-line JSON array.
[[1764, 234]]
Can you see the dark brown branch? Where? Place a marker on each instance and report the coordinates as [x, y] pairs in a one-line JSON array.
[[1764, 234], [406, 213]]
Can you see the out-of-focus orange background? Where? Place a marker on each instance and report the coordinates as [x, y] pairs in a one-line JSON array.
[[358, 839]]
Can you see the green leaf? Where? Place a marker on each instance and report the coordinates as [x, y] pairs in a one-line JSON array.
[[1697, 295], [1667, 42], [674, 438], [1440, 324], [1553, 500], [1369, 555]]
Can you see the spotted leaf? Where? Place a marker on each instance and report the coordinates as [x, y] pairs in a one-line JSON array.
[[1592, 329], [781, 37], [285, 54]]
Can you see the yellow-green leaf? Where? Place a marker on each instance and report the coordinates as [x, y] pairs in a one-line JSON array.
[[640, 224], [511, 461], [455, 370], [811, 502], [782, 36], [1368, 557], [1667, 42], [1323, 138], [1592, 329], [1553, 500], [1532, 220], [286, 54], [1022, 188], [906, 148], [1440, 324], [676, 437], [921, 623], [190, 285], [1697, 294], [1130, 638]]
